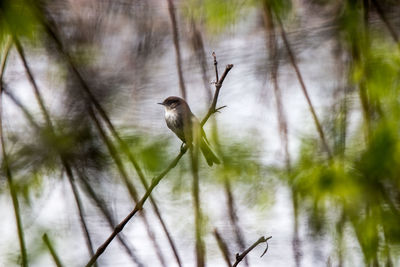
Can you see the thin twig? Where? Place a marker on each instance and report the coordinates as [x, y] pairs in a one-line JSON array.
[[6, 166], [218, 86], [303, 87], [52, 251], [154, 183], [175, 35], [215, 67], [223, 247], [240, 257]]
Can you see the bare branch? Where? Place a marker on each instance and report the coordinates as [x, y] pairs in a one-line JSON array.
[[218, 86], [240, 257], [53, 252], [223, 247], [215, 66]]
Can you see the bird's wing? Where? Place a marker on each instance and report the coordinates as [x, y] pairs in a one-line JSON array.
[[196, 123], [203, 133]]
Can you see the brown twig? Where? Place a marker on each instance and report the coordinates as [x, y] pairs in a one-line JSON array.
[[240, 257], [303, 87], [53, 252], [218, 86], [155, 181], [215, 66], [175, 35], [223, 247], [10, 180]]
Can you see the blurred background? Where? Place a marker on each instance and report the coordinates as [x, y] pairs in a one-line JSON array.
[[309, 139]]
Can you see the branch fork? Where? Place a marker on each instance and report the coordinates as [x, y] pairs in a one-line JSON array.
[[240, 257]]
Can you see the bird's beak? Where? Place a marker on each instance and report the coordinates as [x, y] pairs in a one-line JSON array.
[[161, 104]]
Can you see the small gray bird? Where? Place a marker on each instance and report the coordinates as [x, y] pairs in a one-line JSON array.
[[186, 126]]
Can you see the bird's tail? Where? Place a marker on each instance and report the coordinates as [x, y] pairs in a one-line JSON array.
[[208, 153]]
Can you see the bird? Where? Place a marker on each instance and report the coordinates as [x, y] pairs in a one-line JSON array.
[[186, 126]]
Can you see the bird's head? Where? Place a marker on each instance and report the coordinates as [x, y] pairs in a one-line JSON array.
[[172, 102]]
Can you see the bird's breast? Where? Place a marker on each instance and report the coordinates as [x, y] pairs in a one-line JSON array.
[[171, 115]]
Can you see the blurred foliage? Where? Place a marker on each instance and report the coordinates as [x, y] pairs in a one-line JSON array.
[[364, 184], [216, 15], [18, 17], [220, 15], [357, 188], [152, 152]]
